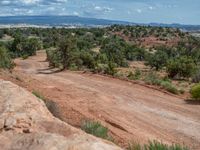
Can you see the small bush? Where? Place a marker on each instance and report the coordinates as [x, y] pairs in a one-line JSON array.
[[182, 91], [152, 79], [155, 145], [165, 83], [195, 92], [5, 60], [135, 76], [53, 108], [181, 67], [196, 77], [96, 129], [169, 87], [25, 56]]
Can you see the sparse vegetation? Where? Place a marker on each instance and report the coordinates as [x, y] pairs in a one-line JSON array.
[[196, 77], [181, 67], [96, 129], [5, 60], [155, 145], [135, 76], [177, 55], [51, 105], [153, 79], [195, 92]]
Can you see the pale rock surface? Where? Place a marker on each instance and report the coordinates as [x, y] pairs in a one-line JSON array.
[[26, 124]]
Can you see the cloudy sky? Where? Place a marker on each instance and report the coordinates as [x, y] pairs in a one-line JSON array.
[[140, 11]]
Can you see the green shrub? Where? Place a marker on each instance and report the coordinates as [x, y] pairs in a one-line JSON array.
[[157, 60], [96, 129], [53, 57], [25, 56], [53, 108], [165, 83], [182, 91], [181, 67], [135, 76], [155, 145], [169, 87], [196, 77], [195, 92], [5, 60], [73, 67], [152, 78]]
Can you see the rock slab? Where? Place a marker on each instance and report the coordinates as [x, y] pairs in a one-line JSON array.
[[26, 124]]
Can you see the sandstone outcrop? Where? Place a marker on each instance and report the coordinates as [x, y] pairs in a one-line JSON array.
[[26, 124]]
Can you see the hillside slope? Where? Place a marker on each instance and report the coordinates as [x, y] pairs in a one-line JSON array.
[[132, 112], [26, 124]]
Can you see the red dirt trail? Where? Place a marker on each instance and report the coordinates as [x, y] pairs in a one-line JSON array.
[[132, 112]]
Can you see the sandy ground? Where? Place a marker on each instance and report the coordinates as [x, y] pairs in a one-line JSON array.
[[132, 112]]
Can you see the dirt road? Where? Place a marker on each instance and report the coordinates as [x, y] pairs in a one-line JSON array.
[[132, 112]]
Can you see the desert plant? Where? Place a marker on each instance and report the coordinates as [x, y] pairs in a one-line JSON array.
[[25, 56], [169, 87], [182, 91], [157, 60], [196, 77], [195, 92], [165, 83], [96, 129], [181, 67], [155, 145], [152, 78], [5, 60], [135, 76]]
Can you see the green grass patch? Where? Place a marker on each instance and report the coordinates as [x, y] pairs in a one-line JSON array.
[[96, 129], [169, 87], [165, 83], [155, 145]]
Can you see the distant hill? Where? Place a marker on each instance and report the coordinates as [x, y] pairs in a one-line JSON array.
[[79, 22], [59, 21]]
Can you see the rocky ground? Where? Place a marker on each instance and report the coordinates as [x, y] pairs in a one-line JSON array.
[[26, 124], [132, 112]]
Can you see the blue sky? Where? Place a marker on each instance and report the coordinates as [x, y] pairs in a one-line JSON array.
[[140, 11]]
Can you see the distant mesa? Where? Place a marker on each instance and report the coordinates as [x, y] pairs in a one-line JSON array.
[[75, 21]]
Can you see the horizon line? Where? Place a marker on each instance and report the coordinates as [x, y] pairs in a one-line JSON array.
[[125, 21]]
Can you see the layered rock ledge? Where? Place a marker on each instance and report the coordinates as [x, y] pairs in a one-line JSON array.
[[26, 124]]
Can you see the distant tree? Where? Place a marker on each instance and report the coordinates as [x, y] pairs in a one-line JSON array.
[[182, 67], [30, 46], [66, 47], [157, 60]]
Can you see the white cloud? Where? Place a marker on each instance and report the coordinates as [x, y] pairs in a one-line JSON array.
[[76, 13], [5, 2], [30, 1], [51, 8], [139, 10], [103, 9], [97, 8], [151, 8]]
